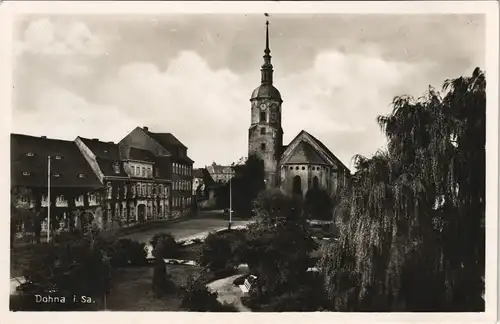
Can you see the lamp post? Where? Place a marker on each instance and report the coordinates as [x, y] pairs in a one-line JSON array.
[[230, 202], [48, 198]]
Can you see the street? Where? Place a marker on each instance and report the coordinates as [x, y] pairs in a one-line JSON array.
[[205, 223]]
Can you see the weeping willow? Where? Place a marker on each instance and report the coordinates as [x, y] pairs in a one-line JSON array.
[[411, 220]]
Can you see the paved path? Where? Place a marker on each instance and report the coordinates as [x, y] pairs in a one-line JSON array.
[[185, 229], [228, 293]]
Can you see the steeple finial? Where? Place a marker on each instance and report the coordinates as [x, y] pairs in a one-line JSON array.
[[267, 67]]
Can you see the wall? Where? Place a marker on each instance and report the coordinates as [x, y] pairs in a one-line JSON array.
[[307, 172], [273, 138]]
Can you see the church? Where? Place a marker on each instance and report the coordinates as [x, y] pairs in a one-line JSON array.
[[305, 163]]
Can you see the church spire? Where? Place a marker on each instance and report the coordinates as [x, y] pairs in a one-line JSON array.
[[267, 67]]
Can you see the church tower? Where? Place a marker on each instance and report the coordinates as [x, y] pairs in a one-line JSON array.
[[265, 136]]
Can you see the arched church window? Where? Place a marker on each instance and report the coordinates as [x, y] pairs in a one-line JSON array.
[[291, 168], [262, 116], [303, 168], [297, 185], [315, 182], [296, 168], [263, 131]]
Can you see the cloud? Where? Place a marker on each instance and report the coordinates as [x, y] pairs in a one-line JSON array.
[[61, 113], [48, 37], [209, 109], [336, 99]]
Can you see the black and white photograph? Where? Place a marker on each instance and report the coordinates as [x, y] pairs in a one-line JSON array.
[[252, 157]]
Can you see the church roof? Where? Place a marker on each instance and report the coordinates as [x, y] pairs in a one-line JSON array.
[[267, 91], [304, 153], [305, 148]]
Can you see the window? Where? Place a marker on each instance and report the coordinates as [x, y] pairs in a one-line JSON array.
[[116, 167], [263, 146], [56, 175], [132, 170], [144, 190], [26, 173], [81, 176], [263, 131], [30, 154], [58, 157], [262, 116]]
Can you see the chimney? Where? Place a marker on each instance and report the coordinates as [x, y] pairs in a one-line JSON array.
[[95, 139], [145, 128], [43, 136]]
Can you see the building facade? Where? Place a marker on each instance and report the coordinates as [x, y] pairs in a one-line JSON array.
[[173, 159], [75, 190], [220, 173], [137, 188], [146, 176], [306, 162]]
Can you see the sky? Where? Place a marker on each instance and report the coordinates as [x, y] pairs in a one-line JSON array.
[[192, 75]]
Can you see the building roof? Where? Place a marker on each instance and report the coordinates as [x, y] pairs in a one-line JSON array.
[[136, 154], [267, 91], [169, 142], [166, 139], [327, 150], [304, 136], [107, 156], [69, 168], [198, 173], [217, 169], [305, 153]]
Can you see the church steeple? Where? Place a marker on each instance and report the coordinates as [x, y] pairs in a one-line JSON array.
[[267, 67]]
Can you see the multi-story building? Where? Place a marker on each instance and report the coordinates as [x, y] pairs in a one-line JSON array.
[[173, 156], [137, 188], [73, 184], [220, 173], [146, 176]]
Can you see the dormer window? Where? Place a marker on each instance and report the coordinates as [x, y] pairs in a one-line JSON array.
[[116, 167], [56, 175], [26, 173], [81, 176], [58, 157], [30, 154]]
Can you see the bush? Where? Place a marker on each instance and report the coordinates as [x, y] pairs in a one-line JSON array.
[[197, 297], [216, 253], [127, 252], [171, 248], [72, 268]]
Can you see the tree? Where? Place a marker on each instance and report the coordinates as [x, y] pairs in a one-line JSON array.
[[247, 184], [318, 204], [412, 221], [278, 245]]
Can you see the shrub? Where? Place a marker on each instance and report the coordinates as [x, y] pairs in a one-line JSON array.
[[71, 268], [198, 298], [216, 252], [126, 252], [171, 248]]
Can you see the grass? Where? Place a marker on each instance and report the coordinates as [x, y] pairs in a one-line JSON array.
[[132, 289], [191, 252]]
